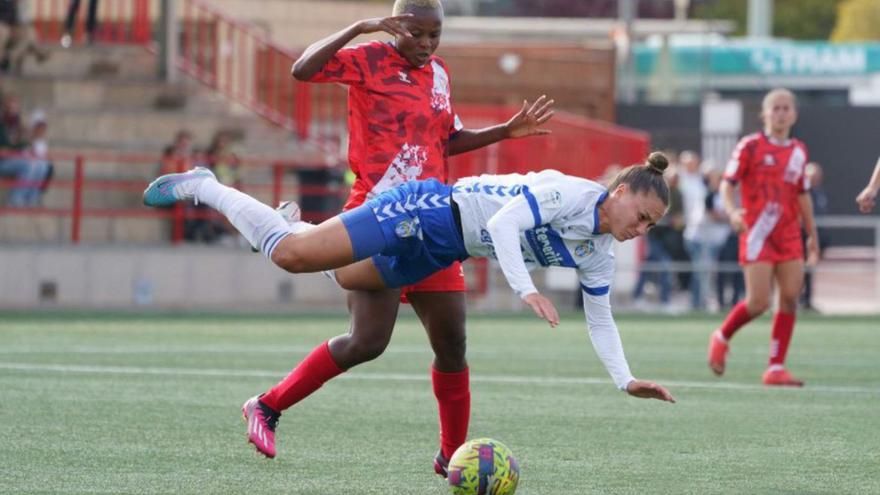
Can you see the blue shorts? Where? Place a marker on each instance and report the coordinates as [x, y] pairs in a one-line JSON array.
[[409, 231]]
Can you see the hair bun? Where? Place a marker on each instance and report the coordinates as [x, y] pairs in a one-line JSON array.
[[657, 162]]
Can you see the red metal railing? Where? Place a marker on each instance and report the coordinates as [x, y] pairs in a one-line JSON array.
[[238, 59], [87, 181], [119, 21]]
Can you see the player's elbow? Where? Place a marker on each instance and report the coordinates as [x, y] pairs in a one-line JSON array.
[[299, 72]]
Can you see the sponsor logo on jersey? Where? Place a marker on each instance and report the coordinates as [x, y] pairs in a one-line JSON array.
[[769, 160], [585, 248], [548, 247]]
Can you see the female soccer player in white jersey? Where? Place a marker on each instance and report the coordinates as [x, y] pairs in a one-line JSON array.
[[406, 233]]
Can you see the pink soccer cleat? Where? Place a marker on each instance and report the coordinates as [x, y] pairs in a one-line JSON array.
[[777, 376], [717, 352], [441, 464], [261, 421]]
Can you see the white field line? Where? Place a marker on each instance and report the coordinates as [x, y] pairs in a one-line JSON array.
[[402, 377]]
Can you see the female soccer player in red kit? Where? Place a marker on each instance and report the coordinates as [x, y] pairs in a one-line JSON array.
[[769, 168], [402, 128]]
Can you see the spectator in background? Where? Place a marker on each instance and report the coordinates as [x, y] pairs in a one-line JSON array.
[[867, 197], [70, 21], [693, 189], [223, 161], [19, 36], [820, 208], [704, 236], [177, 156], [658, 253], [17, 160], [728, 255]]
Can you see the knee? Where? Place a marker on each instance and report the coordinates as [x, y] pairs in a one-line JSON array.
[[362, 350], [788, 303], [287, 257], [453, 348], [757, 307]]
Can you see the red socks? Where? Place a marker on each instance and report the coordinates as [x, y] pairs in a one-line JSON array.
[[783, 327], [737, 317], [308, 376], [453, 394]]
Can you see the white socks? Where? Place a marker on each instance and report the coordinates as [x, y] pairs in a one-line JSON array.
[[258, 223]]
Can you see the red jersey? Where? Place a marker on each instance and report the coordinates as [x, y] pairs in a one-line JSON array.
[[400, 117], [771, 176]]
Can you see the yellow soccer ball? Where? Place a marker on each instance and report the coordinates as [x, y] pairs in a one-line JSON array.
[[483, 467]]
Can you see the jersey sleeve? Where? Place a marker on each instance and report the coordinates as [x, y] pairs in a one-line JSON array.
[[456, 124], [527, 210], [602, 329], [738, 166], [347, 66]]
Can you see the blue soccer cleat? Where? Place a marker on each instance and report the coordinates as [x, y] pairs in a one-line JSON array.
[[171, 188]]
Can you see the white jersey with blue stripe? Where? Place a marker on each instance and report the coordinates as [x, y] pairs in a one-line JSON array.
[[545, 219], [562, 217]]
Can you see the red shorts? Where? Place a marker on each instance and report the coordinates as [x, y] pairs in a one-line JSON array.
[[450, 279], [779, 246]]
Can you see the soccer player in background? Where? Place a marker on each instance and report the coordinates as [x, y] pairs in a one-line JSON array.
[[420, 227], [402, 127], [769, 168], [866, 198]]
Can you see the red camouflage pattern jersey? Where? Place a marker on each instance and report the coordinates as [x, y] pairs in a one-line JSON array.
[[771, 177], [400, 117]]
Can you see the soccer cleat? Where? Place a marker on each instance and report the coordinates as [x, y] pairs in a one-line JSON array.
[[171, 188], [780, 377], [717, 352], [441, 464], [291, 213], [261, 422]]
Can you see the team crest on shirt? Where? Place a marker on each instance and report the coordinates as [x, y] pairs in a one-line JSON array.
[[769, 160], [403, 76], [585, 248], [407, 228]]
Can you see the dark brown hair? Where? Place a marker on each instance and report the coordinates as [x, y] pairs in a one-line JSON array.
[[645, 178]]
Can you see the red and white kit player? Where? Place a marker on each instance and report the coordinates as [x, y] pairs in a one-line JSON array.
[[402, 127], [769, 169]]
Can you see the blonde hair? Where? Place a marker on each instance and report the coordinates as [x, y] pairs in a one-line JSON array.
[[400, 6], [777, 92]]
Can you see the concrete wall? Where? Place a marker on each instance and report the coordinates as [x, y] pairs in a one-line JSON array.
[[161, 278]]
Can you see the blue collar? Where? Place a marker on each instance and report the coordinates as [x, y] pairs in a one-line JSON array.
[[602, 198]]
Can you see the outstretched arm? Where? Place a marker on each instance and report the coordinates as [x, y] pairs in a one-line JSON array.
[[526, 122], [319, 53], [607, 344], [504, 229], [868, 196]]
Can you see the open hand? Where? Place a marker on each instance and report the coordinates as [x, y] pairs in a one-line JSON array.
[[648, 390], [736, 221], [543, 308], [392, 25], [528, 121]]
